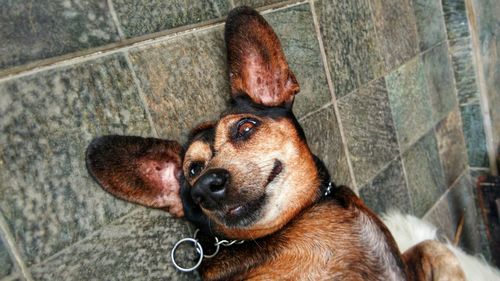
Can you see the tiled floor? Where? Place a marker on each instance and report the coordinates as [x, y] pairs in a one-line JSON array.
[[389, 100]]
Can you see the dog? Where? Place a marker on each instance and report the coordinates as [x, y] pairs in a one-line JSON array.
[[251, 176]]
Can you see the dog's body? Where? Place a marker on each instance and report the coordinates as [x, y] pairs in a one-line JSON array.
[[250, 175]]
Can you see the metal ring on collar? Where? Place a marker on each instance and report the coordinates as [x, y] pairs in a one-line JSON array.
[[216, 244], [199, 249]]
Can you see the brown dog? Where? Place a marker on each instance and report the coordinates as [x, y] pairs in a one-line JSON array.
[[250, 175]]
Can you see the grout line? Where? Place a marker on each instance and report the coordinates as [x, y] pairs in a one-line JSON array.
[[445, 194], [142, 96], [405, 174], [280, 6], [10, 242], [125, 45], [388, 72], [307, 115], [90, 235], [483, 90], [114, 16], [332, 93], [90, 54]]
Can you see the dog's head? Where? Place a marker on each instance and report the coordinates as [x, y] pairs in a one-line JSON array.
[[243, 176]]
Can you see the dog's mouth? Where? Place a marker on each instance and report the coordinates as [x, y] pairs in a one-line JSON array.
[[243, 214], [277, 169]]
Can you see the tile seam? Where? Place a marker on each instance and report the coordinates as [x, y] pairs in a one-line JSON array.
[[379, 171], [48, 258], [448, 190], [329, 80], [90, 54], [314, 111], [9, 240], [125, 45], [264, 10], [403, 166], [141, 93], [114, 16], [388, 72]]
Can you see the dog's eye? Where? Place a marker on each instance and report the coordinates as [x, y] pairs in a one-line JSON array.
[[195, 168], [245, 127]]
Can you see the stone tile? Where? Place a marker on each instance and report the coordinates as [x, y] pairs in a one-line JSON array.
[[295, 29], [184, 80], [426, 181], [455, 16], [14, 277], [396, 31], [369, 130], [439, 77], [464, 71], [410, 104], [461, 201], [448, 211], [452, 150], [142, 17], [256, 3], [388, 190], [430, 22], [6, 264], [41, 29], [136, 247], [350, 43], [441, 217], [48, 119], [323, 136], [475, 138]]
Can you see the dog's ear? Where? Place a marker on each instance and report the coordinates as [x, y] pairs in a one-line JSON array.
[[140, 170], [257, 64]]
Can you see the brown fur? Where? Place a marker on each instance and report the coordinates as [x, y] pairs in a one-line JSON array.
[[269, 184], [321, 243], [433, 261]]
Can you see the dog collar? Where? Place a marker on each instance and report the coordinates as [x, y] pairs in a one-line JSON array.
[[199, 248], [226, 243], [328, 190]]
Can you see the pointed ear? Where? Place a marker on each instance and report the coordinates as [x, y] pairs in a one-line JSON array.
[[140, 170], [257, 64]]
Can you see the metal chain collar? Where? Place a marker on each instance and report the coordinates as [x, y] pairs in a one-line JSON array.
[[199, 249], [217, 244]]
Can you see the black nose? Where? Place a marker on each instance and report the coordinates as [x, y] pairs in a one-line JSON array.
[[210, 188]]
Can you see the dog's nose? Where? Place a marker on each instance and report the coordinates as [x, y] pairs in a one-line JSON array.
[[210, 188]]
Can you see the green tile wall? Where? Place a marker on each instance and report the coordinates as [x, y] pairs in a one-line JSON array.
[[350, 42], [395, 22], [323, 137], [143, 17], [42, 29], [430, 24], [6, 264], [371, 136], [410, 102], [389, 100], [426, 181]]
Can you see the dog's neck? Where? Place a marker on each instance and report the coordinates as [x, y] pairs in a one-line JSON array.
[[348, 233]]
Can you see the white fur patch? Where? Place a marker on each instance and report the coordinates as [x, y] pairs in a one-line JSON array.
[[409, 231]]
